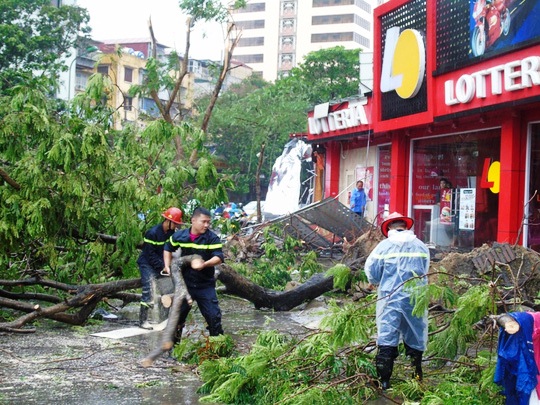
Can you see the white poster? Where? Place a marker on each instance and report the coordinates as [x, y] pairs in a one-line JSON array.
[[284, 188], [467, 208]]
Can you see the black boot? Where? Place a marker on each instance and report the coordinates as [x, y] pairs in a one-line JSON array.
[[416, 362], [143, 316], [385, 366]]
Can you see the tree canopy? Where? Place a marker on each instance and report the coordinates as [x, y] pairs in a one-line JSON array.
[[35, 36], [257, 112], [76, 194]]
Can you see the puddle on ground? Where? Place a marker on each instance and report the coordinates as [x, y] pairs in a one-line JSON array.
[[65, 365]]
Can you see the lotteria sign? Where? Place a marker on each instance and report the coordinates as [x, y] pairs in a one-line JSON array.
[[341, 119], [404, 62], [513, 76], [498, 81]]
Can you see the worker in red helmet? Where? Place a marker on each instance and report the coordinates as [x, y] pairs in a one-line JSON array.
[[394, 261], [151, 259]]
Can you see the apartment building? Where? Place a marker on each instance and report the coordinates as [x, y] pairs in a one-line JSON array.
[[276, 35], [124, 61]]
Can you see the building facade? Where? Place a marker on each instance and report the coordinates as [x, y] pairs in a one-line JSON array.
[[275, 35], [124, 62], [456, 96]]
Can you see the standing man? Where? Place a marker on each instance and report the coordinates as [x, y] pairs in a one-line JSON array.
[[359, 199], [400, 257], [200, 280], [151, 259]]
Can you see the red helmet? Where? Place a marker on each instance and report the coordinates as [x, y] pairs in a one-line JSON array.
[[173, 214], [393, 217]]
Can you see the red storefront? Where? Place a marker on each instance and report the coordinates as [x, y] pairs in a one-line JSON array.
[[456, 96]]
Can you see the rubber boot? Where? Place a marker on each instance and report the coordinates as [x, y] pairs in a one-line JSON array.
[[385, 367], [416, 363], [143, 316]]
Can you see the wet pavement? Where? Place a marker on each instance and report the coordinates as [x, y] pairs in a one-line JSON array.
[[60, 364]]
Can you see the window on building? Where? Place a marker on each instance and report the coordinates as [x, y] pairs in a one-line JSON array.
[[360, 39], [148, 106], [465, 214], [103, 69], [250, 25], [288, 6], [142, 75], [332, 19], [256, 41], [362, 22], [251, 8], [327, 3], [332, 37], [258, 58], [128, 74], [533, 217], [81, 79], [362, 4], [128, 103]]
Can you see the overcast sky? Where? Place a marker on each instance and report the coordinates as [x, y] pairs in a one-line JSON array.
[[128, 19]]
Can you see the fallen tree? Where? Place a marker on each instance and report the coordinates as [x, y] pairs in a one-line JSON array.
[[521, 273]]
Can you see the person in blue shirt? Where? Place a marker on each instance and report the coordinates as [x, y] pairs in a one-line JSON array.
[[394, 261], [200, 281], [150, 260], [359, 199]]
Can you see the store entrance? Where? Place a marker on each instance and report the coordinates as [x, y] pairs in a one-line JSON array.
[[533, 220], [450, 204]]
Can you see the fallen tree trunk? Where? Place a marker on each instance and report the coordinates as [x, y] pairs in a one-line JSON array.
[[180, 294], [86, 298], [261, 297]]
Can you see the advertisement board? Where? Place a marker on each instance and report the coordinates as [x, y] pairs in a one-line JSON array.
[[467, 209], [474, 30]]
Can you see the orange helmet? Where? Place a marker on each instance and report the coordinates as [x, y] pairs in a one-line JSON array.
[[173, 214]]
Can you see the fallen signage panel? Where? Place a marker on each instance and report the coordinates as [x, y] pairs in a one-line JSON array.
[[324, 224]]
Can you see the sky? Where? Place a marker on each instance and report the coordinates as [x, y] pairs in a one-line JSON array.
[[128, 19]]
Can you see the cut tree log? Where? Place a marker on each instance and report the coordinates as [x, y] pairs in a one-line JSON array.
[[261, 297], [180, 294]]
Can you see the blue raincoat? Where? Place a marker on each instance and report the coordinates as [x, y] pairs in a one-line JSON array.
[[392, 262]]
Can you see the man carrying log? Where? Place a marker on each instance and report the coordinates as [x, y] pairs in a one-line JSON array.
[[151, 259], [199, 276]]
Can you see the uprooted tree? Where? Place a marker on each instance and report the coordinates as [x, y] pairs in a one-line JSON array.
[[76, 192]]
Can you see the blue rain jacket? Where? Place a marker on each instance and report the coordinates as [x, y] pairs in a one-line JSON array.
[[393, 261], [516, 369]]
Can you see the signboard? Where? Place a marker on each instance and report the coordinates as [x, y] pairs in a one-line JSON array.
[[478, 29], [467, 209]]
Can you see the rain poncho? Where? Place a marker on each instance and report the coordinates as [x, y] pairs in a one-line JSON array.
[[394, 261]]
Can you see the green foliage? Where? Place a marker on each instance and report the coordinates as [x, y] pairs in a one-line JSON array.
[[77, 177], [197, 351], [466, 385], [282, 260], [328, 74], [472, 306], [335, 364], [342, 275], [209, 10], [349, 324], [34, 37]]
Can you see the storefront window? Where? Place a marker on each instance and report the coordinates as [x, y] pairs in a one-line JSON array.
[[383, 186], [452, 202], [533, 223]]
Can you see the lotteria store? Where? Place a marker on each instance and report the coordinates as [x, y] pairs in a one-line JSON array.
[[456, 96]]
